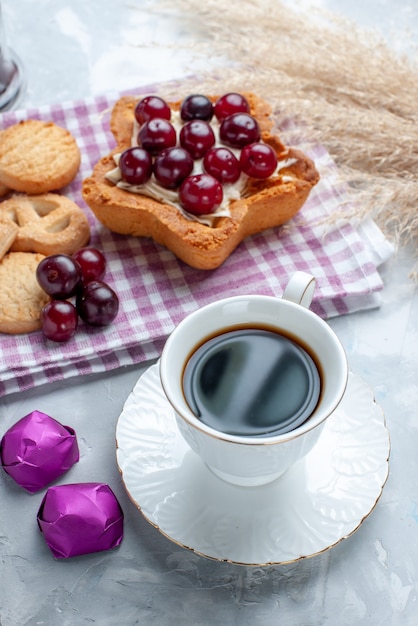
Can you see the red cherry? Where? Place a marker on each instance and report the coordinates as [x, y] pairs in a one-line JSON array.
[[150, 107], [59, 320], [92, 263], [197, 137], [97, 303], [195, 107], [239, 129], [200, 194], [172, 166], [230, 103], [59, 275], [258, 160], [157, 135], [135, 165], [222, 164]]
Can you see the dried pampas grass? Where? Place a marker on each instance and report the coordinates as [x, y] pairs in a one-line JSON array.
[[350, 88]]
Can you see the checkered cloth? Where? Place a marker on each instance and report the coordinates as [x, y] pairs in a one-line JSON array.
[[156, 290]]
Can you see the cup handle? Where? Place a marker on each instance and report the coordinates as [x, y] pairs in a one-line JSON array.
[[300, 289]]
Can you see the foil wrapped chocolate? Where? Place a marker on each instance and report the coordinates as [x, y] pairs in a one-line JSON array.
[[37, 450], [80, 518]]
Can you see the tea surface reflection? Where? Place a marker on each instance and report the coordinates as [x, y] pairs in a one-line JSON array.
[[252, 382]]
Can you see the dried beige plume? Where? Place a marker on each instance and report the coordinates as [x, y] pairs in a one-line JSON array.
[[355, 94]]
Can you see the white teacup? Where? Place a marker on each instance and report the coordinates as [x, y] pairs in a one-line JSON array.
[[254, 460]]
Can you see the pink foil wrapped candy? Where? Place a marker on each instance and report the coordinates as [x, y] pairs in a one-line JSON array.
[[80, 518], [37, 450]]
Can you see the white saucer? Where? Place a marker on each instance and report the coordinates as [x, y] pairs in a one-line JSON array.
[[318, 502]]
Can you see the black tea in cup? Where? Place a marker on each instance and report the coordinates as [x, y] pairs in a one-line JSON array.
[[252, 382]]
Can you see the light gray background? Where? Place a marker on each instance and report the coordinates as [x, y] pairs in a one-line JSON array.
[[75, 49]]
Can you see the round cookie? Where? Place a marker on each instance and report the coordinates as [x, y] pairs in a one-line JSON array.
[[37, 157], [21, 298]]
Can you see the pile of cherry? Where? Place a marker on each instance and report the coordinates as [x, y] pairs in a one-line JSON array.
[[170, 159], [77, 277]]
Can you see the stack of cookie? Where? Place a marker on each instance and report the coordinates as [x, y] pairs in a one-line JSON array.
[[36, 158]]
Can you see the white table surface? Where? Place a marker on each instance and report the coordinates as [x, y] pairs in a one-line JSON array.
[[75, 49]]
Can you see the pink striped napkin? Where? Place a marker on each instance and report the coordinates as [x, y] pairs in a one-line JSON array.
[[156, 290]]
